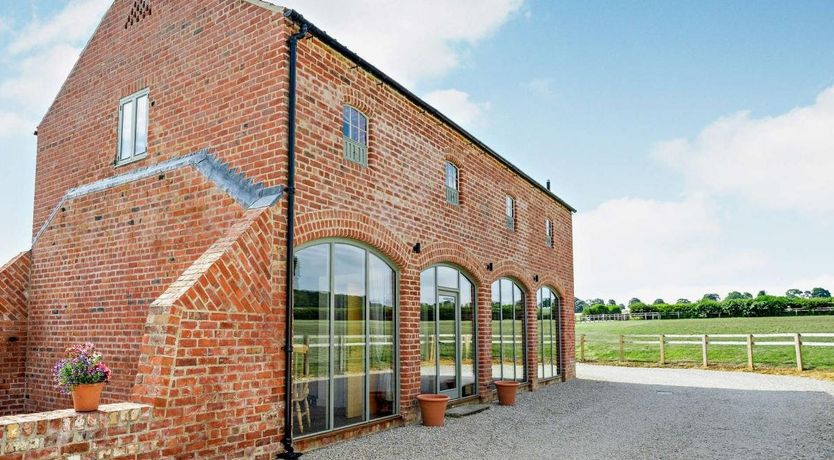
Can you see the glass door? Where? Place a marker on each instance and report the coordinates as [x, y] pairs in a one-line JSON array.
[[447, 344]]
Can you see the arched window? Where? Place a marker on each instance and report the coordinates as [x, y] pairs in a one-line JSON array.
[[452, 190], [509, 327], [447, 333], [343, 337], [549, 308], [355, 133]]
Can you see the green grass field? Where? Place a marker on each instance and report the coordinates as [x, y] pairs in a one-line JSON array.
[[602, 341]]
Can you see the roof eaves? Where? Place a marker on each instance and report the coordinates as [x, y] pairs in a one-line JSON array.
[[373, 70]]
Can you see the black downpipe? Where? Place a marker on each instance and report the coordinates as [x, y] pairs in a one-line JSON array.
[[290, 453]]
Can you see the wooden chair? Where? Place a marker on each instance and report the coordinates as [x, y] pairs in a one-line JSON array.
[[301, 386]]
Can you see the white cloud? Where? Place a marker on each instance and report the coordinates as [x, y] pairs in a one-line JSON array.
[[39, 76], [13, 124], [783, 162], [410, 41], [457, 105], [631, 247], [542, 87], [73, 23]]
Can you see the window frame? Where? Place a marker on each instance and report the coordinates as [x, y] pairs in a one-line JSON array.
[[555, 360], [525, 377], [509, 213], [133, 98], [452, 193], [369, 250], [354, 150], [548, 230]]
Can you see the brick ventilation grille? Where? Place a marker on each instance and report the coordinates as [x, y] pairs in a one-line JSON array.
[[140, 10]]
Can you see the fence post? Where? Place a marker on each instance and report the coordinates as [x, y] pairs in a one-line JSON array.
[[704, 342], [750, 351], [798, 345], [622, 348], [582, 348], [662, 349]]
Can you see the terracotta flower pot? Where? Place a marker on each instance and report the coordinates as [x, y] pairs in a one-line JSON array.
[[86, 398], [433, 409], [506, 392]]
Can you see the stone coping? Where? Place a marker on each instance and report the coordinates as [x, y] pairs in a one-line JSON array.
[[68, 413]]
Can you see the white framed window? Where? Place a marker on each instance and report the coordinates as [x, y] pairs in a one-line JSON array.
[[133, 127], [548, 231], [509, 213], [355, 133], [452, 192]]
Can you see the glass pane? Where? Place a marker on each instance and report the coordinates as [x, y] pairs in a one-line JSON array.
[[381, 335], [311, 339], [346, 121], [428, 352], [509, 209], [554, 332], [447, 277], [447, 342], [348, 335], [451, 176], [141, 125], [496, 331], [363, 129], [519, 333], [126, 142], [507, 335], [540, 327], [468, 385]]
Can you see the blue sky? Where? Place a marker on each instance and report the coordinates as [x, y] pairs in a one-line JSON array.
[[696, 139]]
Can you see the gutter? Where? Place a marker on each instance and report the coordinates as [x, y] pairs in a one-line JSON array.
[[344, 51], [289, 452]]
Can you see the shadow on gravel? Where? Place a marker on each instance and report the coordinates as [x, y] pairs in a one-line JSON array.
[[592, 419]]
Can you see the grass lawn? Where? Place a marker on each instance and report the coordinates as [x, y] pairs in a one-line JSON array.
[[602, 341]]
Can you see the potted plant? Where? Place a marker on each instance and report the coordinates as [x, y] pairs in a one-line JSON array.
[[506, 392], [83, 374], [433, 409]]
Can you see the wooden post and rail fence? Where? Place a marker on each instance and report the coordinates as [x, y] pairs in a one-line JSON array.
[[795, 340]]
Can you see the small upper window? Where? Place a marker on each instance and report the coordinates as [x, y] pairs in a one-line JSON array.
[[510, 213], [355, 131], [548, 230], [133, 127], [452, 194]]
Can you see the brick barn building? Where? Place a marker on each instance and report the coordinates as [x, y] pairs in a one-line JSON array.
[[193, 146]]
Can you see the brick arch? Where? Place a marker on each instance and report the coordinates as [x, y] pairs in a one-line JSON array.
[[514, 270], [333, 223], [554, 283], [360, 100], [453, 253]]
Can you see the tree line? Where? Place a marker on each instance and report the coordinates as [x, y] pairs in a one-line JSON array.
[[734, 304]]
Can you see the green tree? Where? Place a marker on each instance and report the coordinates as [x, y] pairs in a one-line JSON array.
[[612, 302], [659, 302], [735, 295], [634, 300], [578, 305], [747, 295], [761, 293], [596, 302], [713, 297], [820, 293], [793, 293], [683, 301]]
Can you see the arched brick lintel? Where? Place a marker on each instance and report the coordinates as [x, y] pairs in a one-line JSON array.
[[515, 271], [452, 253], [318, 225]]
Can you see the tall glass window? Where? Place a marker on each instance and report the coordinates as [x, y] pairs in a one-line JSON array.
[[548, 314], [133, 127], [452, 194], [508, 331], [509, 213], [343, 338], [447, 333]]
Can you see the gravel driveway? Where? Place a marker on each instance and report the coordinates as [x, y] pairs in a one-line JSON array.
[[629, 413]]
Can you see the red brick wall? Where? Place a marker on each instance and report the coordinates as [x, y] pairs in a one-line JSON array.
[[211, 354], [14, 287], [216, 71], [103, 259], [401, 195]]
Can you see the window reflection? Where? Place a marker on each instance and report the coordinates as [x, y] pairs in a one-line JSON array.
[[508, 331]]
